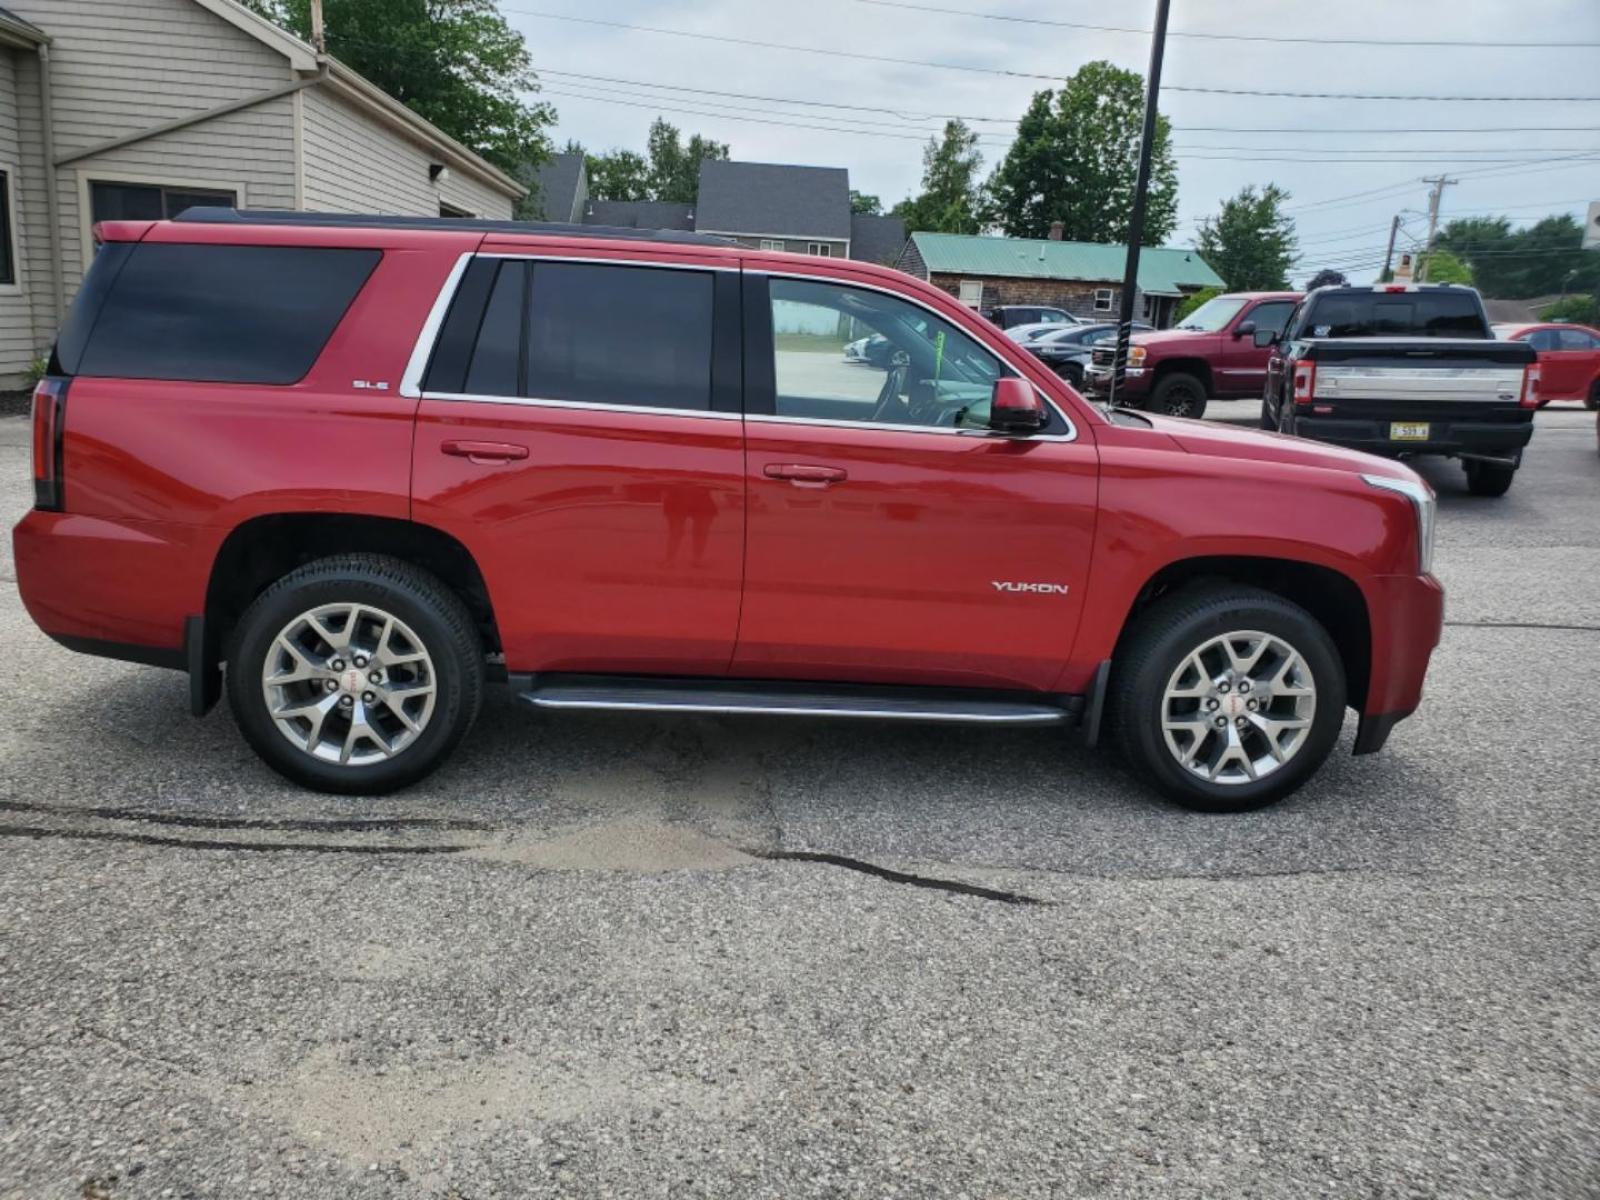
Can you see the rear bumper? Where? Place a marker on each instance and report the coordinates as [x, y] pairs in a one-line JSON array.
[[117, 588], [1446, 435], [1407, 619]]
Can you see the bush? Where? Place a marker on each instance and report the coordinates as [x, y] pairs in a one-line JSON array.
[[36, 372], [1194, 302], [1580, 309]]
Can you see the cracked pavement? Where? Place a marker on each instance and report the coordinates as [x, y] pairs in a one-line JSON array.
[[608, 955]]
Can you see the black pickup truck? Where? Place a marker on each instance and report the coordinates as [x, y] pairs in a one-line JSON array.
[[1403, 370]]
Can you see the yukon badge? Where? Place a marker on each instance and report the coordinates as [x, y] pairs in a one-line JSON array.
[[1049, 589]]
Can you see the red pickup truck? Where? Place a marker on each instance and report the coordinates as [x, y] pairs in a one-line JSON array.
[[355, 469], [1210, 355]]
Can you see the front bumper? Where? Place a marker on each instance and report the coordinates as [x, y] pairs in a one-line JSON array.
[[1446, 435], [1097, 383], [1407, 619]]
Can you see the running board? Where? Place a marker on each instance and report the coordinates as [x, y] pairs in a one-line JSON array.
[[645, 694]]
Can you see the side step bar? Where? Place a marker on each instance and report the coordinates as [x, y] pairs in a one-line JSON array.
[[645, 694]]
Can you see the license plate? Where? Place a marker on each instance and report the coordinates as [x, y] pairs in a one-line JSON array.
[[1408, 431]]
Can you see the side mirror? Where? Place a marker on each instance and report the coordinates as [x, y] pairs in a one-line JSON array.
[[1015, 407], [1265, 337], [1244, 329]]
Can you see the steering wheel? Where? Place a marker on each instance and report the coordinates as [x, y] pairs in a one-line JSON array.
[[889, 408]]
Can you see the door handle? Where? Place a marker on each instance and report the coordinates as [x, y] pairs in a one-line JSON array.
[[485, 452], [805, 475]]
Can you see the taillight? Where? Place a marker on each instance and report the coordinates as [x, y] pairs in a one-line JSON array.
[[1305, 381], [49, 422], [1530, 386]]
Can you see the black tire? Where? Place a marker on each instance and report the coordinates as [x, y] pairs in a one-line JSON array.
[[1167, 633], [1178, 395], [1592, 400], [1488, 479], [1073, 374], [1268, 421], [439, 621]]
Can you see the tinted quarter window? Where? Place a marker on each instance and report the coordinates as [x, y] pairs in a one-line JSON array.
[[620, 335], [1397, 314], [496, 354], [223, 314]]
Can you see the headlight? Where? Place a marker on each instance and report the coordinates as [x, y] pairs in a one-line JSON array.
[[1136, 356], [1424, 502]]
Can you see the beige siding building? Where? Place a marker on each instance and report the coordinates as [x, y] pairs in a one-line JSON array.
[[138, 110]]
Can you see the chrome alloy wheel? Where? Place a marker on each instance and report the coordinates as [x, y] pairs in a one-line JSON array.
[[1238, 707], [349, 684]]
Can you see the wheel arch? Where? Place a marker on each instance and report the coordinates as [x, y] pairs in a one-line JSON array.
[[1198, 367], [265, 548], [1333, 598]]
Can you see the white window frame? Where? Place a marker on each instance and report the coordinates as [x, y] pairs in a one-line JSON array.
[[14, 288], [771, 243], [819, 249], [966, 294], [1105, 299]]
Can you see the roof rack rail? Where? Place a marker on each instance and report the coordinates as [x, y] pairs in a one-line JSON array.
[[262, 216]]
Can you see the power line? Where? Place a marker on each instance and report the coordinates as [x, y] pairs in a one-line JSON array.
[[1226, 37], [1055, 78]]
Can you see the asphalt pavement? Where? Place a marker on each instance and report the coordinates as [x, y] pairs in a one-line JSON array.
[[627, 956]]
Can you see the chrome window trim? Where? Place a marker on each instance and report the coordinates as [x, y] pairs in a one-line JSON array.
[[1072, 430], [608, 262], [585, 405], [422, 350], [836, 423]]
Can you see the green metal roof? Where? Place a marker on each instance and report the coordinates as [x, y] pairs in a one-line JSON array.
[[1163, 271]]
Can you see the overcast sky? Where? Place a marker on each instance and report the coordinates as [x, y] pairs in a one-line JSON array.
[[900, 104]]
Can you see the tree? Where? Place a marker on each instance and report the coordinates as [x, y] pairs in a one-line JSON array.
[[1075, 160], [1250, 242], [1441, 266], [618, 175], [864, 204], [1512, 264], [1582, 310], [1327, 277], [675, 167], [950, 201], [455, 63]]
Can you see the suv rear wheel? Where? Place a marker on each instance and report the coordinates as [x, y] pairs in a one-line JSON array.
[[1488, 479], [1178, 395], [1227, 697], [355, 674]]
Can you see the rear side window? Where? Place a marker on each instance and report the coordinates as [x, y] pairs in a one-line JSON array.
[[620, 335], [1396, 314], [223, 314]]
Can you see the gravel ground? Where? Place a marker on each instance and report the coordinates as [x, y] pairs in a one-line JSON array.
[[575, 963]]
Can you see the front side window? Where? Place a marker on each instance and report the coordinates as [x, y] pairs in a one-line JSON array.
[[931, 374], [1543, 339], [8, 250], [150, 202], [1273, 315], [223, 314]]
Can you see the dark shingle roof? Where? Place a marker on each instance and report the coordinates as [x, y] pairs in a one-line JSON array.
[[639, 214], [557, 185], [772, 198], [877, 239]]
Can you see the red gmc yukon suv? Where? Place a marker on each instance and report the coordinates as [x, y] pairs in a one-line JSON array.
[[356, 469]]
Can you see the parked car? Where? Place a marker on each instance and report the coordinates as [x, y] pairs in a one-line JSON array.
[[1066, 351], [1007, 315], [1569, 360], [1209, 355], [1405, 370], [373, 465], [1023, 334], [873, 350]]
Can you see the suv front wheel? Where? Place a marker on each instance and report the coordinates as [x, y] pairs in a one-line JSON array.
[[1227, 697], [356, 674]]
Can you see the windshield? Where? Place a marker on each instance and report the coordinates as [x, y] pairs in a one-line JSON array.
[[1213, 314]]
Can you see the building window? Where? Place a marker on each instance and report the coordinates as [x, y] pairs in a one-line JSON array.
[[450, 210], [1104, 299], [150, 202], [820, 249], [771, 244], [8, 249], [972, 292]]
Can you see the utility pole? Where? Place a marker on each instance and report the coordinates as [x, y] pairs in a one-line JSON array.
[[1388, 255], [319, 37], [1141, 190], [1440, 182]]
